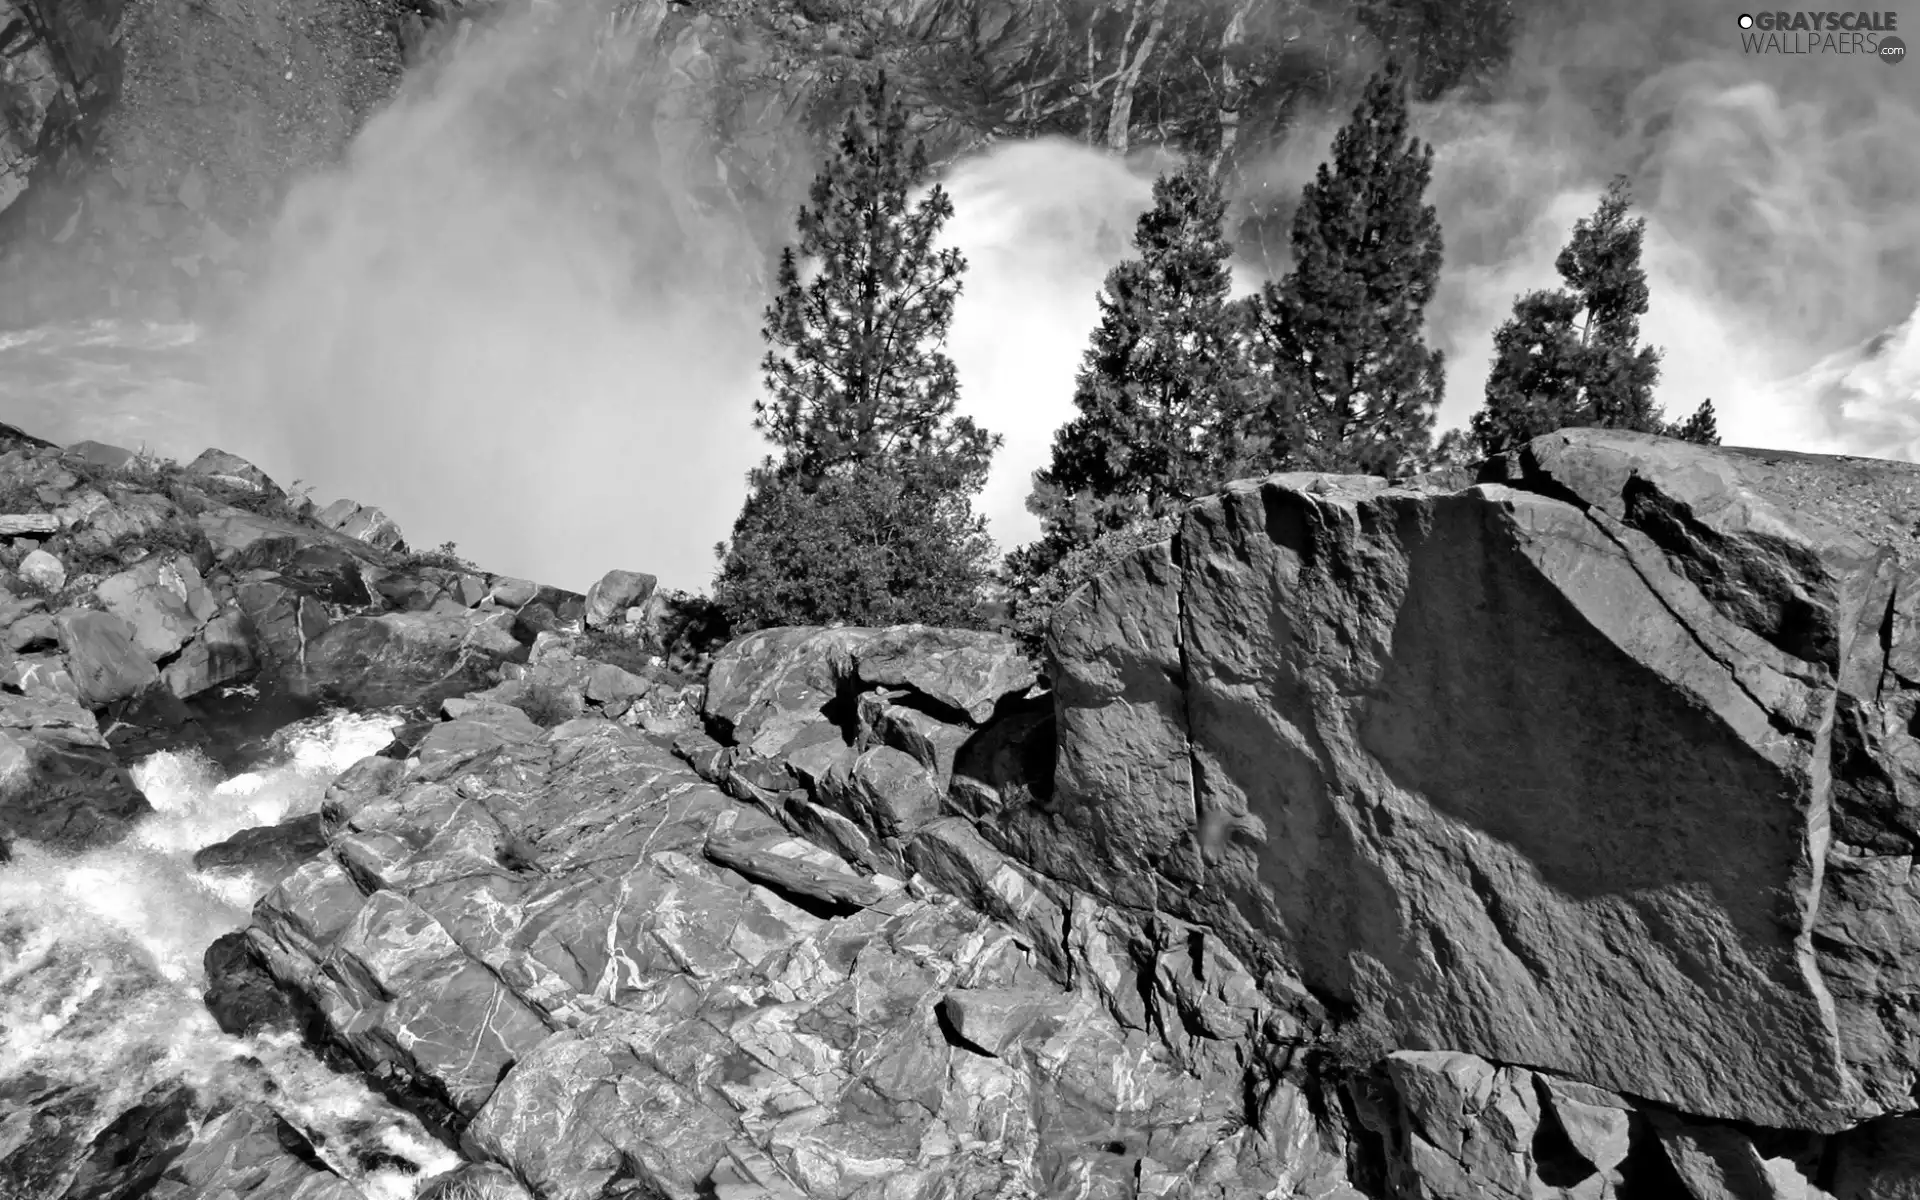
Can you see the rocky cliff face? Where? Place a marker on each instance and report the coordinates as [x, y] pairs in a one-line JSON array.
[[1545, 836], [1516, 767], [140, 145]]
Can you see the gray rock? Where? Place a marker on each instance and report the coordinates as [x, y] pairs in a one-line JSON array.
[[616, 592], [767, 687], [995, 1021], [59, 783], [22, 524], [107, 663], [221, 653], [512, 593], [894, 795], [35, 631], [270, 853], [1718, 1162], [1597, 1122], [43, 571], [372, 776], [163, 598], [286, 619], [608, 684], [41, 675], [375, 528], [396, 659], [963, 670], [543, 945], [1879, 1161], [1334, 728], [234, 471]]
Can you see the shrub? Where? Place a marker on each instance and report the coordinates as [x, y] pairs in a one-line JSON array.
[[445, 557], [1358, 1045], [546, 703], [1035, 601], [867, 548]]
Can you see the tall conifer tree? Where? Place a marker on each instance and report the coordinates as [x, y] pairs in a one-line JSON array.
[[864, 512], [1570, 356], [1352, 384], [1162, 394]]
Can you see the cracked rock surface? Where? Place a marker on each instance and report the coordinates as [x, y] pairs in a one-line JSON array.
[[1604, 768], [607, 1006]]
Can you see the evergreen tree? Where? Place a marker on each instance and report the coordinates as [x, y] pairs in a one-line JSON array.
[[864, 513], [1703, 427], [856, 369], [868, 547], [1568, 357], [1354, 387], [1162, 393]]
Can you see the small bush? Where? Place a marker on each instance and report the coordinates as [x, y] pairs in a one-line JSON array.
[[1035, 602], [446, 557], [1358, 1045], [546, 704], [868, 547]]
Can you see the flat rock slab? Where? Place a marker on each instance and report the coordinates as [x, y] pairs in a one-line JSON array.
[[107, 661]]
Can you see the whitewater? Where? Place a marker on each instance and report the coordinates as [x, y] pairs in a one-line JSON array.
[[101, 977]]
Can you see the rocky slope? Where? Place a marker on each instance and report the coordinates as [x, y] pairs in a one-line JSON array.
[[1541, 836]]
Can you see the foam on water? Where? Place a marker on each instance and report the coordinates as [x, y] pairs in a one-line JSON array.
[[101, 957]]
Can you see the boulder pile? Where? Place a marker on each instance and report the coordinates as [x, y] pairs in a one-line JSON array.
[[145, 605], [1547, 835]]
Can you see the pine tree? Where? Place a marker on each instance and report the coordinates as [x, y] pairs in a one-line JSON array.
[[1353, 385], [856, 369], [1163, 391], [1703, 427], [1569, 357], [864, 512]]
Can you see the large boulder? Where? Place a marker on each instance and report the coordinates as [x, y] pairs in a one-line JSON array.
[[235, 472], [766, 688], [362, 523], [163, 598], [221, 653], [417, 658], [43, 571], [616, 592], [59, 783], [107, 661], [285, 616], [1608, 769]]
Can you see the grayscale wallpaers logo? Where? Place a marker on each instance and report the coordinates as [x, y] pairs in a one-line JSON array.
[[1870, 34]]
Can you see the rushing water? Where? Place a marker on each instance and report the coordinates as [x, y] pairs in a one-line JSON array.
[[100, 962]]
